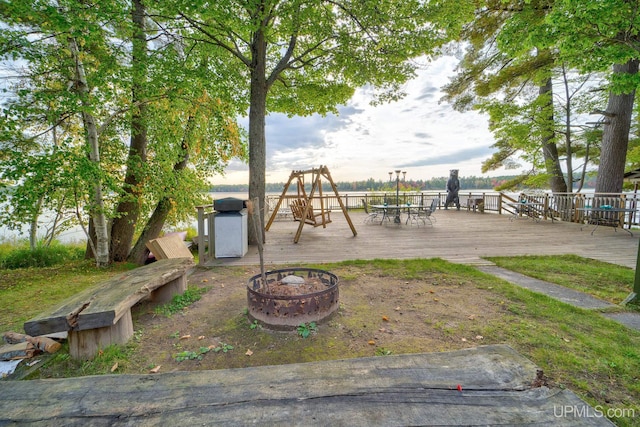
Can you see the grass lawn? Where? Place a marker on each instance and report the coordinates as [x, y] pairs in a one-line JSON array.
[[599, 279], [593, 356]]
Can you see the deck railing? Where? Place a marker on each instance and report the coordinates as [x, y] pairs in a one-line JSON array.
[[492, 200], [358, 201], [562, 206]]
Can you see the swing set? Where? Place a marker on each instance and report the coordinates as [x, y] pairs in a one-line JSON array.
[[302, 206]]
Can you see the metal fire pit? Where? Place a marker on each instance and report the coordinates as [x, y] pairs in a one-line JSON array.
[[291, 311]]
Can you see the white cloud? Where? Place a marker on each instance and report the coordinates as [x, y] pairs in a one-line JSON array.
[[417, 134]]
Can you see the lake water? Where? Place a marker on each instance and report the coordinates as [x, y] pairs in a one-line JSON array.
[[77, 235]]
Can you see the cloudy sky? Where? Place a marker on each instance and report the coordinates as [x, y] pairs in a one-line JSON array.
[[417, 134]]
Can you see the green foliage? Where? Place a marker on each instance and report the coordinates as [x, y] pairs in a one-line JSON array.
[[254, 325], [190, 355], [606, 29], [186, 355], [198, 355], [41, 256], [188, 117], [381, 351], [305, 329], [181, 301], [222, 347]]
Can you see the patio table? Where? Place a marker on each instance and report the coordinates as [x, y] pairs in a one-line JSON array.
[[397, 209], [607, 215], [533, 210]]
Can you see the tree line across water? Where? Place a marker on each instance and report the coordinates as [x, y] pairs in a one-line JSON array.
[[437, 183]]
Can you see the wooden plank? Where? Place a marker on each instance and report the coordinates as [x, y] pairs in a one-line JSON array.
[[166, 293], [118, 295], [414, 389], [103, 304], [22, 350], [171, 246], [55, 319]]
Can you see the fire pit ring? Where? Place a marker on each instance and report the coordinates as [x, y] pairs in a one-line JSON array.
[[290, 311]]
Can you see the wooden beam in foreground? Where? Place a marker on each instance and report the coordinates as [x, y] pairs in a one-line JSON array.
[[491, 385]]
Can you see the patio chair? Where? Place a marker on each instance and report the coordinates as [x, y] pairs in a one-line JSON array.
[[426, 214], [371, 216]]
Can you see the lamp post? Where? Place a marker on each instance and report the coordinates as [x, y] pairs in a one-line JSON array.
[[404, 176]]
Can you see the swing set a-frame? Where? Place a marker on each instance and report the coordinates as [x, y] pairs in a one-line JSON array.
[[302, 206]]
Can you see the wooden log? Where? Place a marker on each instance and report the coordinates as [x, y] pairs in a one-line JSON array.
[[414, 389], [41, 343]]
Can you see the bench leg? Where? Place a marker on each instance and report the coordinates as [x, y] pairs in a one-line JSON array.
[[86, 344], [165, 293]]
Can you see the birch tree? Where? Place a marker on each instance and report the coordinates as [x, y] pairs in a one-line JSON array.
[[80, 72], [65, 54]]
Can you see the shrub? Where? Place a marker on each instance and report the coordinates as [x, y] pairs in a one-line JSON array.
[[41, 256]]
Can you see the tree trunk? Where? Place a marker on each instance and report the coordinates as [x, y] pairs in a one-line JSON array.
[[615, 136], [89, 253], [549, 148], [128, 209], [257, 144], [33, 225], [568, 134], [97, 207], [153, 227]]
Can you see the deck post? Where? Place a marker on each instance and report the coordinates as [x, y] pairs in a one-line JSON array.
[[201, 235]]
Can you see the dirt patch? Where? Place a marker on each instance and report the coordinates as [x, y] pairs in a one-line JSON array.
[[378, 315]]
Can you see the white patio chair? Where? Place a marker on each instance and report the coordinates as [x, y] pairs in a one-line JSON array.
[[424, 215], [371, 216]]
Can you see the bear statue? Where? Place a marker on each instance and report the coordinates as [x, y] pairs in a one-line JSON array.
[[453, 185]]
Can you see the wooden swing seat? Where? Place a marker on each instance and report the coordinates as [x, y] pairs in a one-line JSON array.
[[302, 207], [297, 210]]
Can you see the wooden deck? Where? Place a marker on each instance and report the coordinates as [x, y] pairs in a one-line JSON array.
[[456, 236]]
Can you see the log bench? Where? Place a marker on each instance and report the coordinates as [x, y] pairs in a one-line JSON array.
[[101, 315]]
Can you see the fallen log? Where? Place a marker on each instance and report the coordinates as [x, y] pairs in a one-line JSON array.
[[41, 343]]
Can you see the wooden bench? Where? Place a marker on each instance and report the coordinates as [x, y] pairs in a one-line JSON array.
[[473, 203], [297, 210], [101, 315]]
